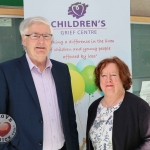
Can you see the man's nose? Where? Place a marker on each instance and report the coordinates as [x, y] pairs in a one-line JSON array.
[[41, 38]]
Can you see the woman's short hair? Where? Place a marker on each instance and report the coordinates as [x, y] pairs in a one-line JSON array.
[[124, 72], [25, 24]]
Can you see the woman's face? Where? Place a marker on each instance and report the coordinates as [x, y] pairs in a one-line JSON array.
[[110, 81]]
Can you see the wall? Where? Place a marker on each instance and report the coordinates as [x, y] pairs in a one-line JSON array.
[[11, 2], [138, 7]]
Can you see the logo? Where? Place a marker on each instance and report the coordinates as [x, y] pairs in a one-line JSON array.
[[77, 10], [7, 128]]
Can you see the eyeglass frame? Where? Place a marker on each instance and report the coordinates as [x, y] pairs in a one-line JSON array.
[[38, 36]]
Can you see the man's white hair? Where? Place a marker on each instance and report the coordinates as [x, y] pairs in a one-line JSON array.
[[25, 24]]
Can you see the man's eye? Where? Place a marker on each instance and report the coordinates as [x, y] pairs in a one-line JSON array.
[[35, 35], [46, 35]]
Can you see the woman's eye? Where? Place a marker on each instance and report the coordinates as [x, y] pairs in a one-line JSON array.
[[103, 75]]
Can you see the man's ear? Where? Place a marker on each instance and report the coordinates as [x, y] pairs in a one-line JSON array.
[[23, 40]]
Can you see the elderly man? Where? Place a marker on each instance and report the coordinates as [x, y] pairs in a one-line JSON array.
[[36, 92]]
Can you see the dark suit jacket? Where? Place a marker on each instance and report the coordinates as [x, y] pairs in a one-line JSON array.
[[131, 124], [18, 98]]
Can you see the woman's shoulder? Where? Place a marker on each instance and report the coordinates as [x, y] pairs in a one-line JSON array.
[[135, 100], [133, 97], [95, 103]]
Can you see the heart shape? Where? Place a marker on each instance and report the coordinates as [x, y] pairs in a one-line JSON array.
[[78, 9], [4, 128]]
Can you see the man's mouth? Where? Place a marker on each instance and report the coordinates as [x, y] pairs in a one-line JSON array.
[[40, 47]]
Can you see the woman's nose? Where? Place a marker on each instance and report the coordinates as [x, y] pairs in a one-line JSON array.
[[108, 78]]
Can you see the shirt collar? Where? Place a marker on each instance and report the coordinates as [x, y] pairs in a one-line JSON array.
[[32, 65]]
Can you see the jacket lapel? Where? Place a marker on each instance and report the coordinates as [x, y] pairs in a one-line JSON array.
[[26, 73]]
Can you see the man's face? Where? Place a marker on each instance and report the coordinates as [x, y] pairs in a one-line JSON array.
[[37, 49]]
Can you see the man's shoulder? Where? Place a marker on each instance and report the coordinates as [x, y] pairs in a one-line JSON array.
[[9, 62], [58, 63]]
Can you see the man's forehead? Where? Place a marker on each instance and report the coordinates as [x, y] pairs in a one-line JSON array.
[[36, 25]]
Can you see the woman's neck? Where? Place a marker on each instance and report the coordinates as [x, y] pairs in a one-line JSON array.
[[110, 101]]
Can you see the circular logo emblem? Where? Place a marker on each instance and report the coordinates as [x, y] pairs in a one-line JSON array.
[[7, 128]]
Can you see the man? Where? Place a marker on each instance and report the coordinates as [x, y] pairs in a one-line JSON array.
[[36, 92]]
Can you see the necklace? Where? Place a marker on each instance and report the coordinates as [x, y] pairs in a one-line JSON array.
[[114, 102]]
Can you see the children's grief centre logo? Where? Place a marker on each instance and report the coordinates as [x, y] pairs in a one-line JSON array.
[[77, 10], [76, 25], [7, 128]]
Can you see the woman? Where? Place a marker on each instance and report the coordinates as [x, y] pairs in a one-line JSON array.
[[119, 120]]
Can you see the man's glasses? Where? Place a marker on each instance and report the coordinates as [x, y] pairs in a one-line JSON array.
[[36, 36]]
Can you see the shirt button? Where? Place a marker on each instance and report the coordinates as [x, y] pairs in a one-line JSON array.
[[40, 143], [41, 121]]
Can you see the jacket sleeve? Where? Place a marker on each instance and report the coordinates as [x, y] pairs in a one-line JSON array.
[[144, 126], [3, 93], [4, 103], [88, 142], [72, 118]]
